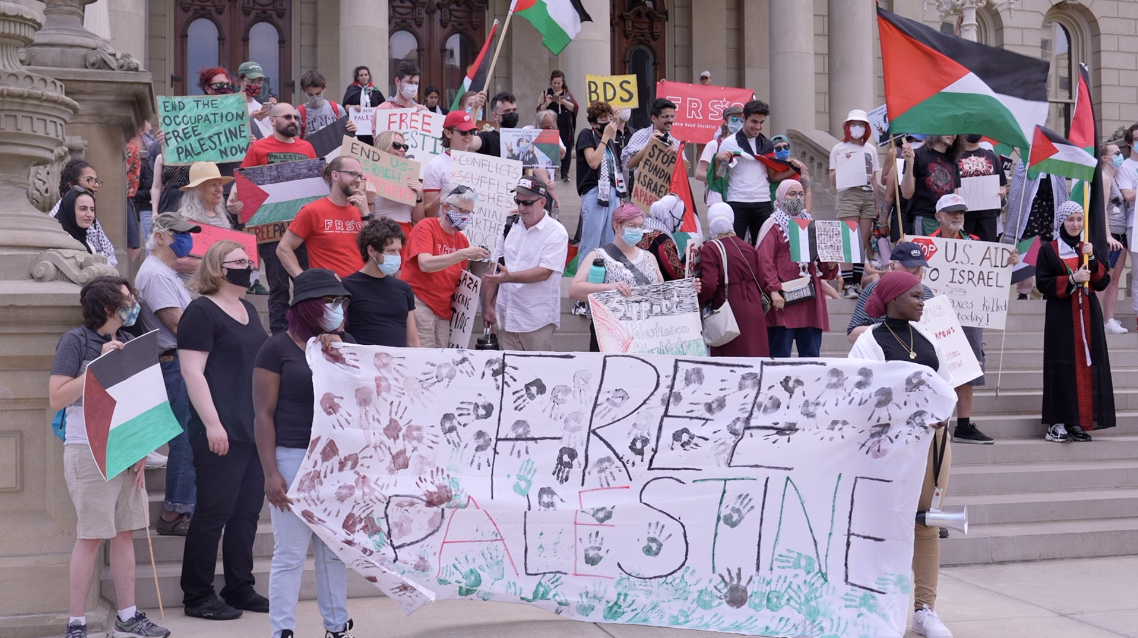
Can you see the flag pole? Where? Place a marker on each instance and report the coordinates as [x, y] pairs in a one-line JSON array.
[[896, 179], [1086, 225], [497, 50], [150, 544]]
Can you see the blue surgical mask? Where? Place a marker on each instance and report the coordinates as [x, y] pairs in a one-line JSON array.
[[1117, 160], [632, 236], [783, 154], [734, 125], [333, 317], [390, 264], [182, 244], [129, 315]]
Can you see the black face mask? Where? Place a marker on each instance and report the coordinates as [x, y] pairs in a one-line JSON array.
[[974, 139], [509, 120], [242, 277]]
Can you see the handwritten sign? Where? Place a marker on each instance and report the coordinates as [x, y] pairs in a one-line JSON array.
[[463, 308], [494, 179], [940, 320], [660, 319], [879, 124], [422, 131], [974, 275], [852, 170], [362, 118], [534, 148], [210, 235], [620, 91], [389, 173], [699, 108], [654, 176], [981, 193], [204, 128], [734, 494]]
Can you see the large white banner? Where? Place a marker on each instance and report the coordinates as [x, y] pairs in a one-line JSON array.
[[422, 130], [974, 275], [752, 495], [494, 179]]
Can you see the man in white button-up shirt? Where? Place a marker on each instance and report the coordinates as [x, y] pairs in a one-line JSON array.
[[524, 297]]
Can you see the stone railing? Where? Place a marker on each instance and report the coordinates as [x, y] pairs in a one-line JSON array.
[[812, 148]]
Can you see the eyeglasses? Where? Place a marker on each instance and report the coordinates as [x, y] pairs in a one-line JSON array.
[[337, 301], [463, 133], [460, 211], [526, 202], [240, 263], [91, 181], [400, 147], [355, 175], [782, 147]]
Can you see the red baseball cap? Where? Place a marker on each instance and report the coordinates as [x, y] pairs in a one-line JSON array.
[[459, 120]]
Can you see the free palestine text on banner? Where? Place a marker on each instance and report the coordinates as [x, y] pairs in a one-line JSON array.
[[974, 275], [659, 318], [203, 128], [744, 495]]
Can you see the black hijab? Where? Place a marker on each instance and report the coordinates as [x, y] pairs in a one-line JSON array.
[[66, 216]]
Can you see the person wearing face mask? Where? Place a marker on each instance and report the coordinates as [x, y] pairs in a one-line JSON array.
[[382, 312], [732, 124], [856, 202], [251, 82], [600, 181], [1126, 176], [972, 160], [930, 173], [504, 111], [164, 298], [406, 89], [219, 336], [1078, 394], [284, 403], [318, 112], [439, 253], [328, 226], [458, 133], [1112, 160]]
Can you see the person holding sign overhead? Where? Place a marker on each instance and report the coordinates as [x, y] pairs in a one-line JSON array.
[[854, 172], [328, 226], [663, 116]]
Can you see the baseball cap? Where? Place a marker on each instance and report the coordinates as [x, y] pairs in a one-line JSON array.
[[459, 120], [317, 282], [531, 186], [951, 203], [705, 74], [909, 254], [251, 70], [173, 223]]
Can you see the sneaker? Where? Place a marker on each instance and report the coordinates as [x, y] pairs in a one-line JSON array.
[[579, 308], [178, 527], [852, 291], [213, 609], [76, 630], [138, 627], [1114, 327], [256, 289], [287, 633], [1057, 434], [252, 602], [1077, 434], [155, 460], [971, 434], [337, 634], [927, 623]]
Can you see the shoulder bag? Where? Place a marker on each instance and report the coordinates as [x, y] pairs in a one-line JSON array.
[[766, 300], [719, 325], [615, 253], [797, 290]]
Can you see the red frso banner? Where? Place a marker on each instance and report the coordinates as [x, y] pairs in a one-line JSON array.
[[699, 108]]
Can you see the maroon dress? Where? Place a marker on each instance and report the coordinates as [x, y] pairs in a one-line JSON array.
[[774, 260], [746, 300]]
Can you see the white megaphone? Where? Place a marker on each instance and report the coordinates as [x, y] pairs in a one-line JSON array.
[[952, 517]]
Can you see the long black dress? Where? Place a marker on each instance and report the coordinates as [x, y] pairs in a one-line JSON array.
[[1073, 391]]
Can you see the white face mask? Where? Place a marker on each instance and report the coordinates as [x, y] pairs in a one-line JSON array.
[[409, 91], [857, 130]]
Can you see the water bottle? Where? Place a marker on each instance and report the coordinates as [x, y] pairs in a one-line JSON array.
[[597, 271], [721, 170]]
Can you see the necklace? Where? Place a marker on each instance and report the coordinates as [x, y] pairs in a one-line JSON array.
[[910, 347]]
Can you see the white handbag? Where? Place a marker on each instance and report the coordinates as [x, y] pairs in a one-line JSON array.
[[719, 325]]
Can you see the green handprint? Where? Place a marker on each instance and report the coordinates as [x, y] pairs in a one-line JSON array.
[[588, 599], [544, 589], [378, 540], [864, 600], [469, 579], [810, 598], [494, 563], [680, 618], [769, 596], [895, 582], [617, 608], [525, 478], [797, 561], [706, 599], [446, 576]]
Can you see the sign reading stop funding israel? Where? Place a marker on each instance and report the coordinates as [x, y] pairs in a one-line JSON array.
[[204, 128], [654, 176], [974, 275]]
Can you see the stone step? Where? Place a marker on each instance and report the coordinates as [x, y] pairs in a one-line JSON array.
[[1010, 542], [1009, 478], [156, 498], [1105, 447], [835, 341], [1039, 507], [1029, 400], [1028, 425], [170, 548]]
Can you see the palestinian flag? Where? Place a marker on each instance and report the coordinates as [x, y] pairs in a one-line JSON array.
[[798, 232], [476, 74], [1084, 134], [837, 241], [939, 84], [125, 407], [558, 21], [548, 144], [1051, 153], [681, 187], [276, 192], [1028, 250]]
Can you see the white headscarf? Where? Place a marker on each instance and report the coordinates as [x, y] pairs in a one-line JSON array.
[[666, 214], [1062, 212], [720, 218]]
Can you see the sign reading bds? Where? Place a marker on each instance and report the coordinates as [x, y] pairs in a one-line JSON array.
[[620, 91]]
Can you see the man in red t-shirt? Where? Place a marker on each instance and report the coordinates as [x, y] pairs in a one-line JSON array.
[[328, 227]]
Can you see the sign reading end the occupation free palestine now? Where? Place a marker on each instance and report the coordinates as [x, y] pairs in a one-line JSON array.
[[203, 128]]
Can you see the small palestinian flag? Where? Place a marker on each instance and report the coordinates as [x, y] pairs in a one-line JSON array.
[[837, 241], [939, 84], [1052, 153], [125, 407], [681, 187], [476, 74], [798, 232], [558, 21], [548, 143], [1028, 250]]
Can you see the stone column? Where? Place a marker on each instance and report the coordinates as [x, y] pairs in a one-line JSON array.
[[529, 69], [851, 60], [128, 27], [708, 24], [590, 52], [363, 40], [756, 51], [792, 66]]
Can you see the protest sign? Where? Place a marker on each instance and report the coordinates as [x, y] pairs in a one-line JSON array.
[[981, 193], [533, 147], [126, 412], [327, 141], [463, 308], [941, 322], [879, 124], [974, 275], [210, 235], [389, 173], [272, 195], [837, 241], [494, 179], [732, 494], [699, 108], [620, 91], [204, 128], [659, 319], [853, 170], [422, 131], [654, 176], [362, 118]]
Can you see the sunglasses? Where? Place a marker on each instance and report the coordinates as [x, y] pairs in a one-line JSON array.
[[781, 147], [400, 147], [222, 86], [463, 133], [526, 202]]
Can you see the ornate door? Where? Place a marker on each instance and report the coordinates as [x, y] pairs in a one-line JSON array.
[[226, 33], [638, 47], [442, 37]]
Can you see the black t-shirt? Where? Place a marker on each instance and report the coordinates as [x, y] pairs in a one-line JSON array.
[[491, 143], [293, 416], [377, 314], [936, 175], [587, 176], [979, 163], [232, 348], [893, 343]]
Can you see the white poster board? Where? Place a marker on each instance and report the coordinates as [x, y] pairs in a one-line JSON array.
[[422, 131], [494, 179], [463, 308], [981, 193], [940, 320], [851, 170], [659, 319], [974, 275], [362, 118]]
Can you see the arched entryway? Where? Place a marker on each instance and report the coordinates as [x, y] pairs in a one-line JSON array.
[[639, 48]]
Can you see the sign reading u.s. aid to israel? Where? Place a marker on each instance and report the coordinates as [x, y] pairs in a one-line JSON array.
[[422, 131], [660, 318], [974, 275], [203, 128], [744, 495], [493, 179]]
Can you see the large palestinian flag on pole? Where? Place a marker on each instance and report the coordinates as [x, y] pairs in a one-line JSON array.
[[476, 74], [125, 407], [1084, 134], [558, 21], [938, 84]]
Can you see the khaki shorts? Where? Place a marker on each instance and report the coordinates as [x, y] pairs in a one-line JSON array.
[[855, 202], [105, 508], [434, 331]]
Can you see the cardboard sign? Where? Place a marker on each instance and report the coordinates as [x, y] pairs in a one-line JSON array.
[[210, 235], [654, 176], [981, 193], [620, 91], [204, 128], [494, 179], [699, 108], [273, 194], [739, 495], [533, 147], [362, 118], [422, 131], [940, 320], [657, 319], [974, 275], [389, 173], [463, 308]]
